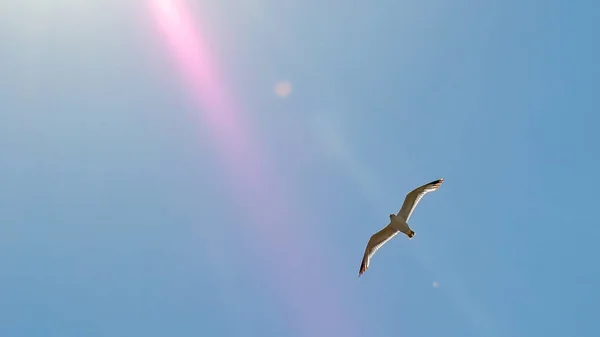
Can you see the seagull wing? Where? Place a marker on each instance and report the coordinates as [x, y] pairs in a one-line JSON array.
[[375, 242], [413, 198]]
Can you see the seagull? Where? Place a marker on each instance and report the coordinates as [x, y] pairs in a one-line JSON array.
[[398, 222]]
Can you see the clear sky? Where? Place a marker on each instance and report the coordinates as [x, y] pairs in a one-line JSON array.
[[153, 182]]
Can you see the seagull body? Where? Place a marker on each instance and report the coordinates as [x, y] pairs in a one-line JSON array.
[[398, 222]]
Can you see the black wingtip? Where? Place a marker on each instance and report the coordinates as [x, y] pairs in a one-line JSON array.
[[363, 268]]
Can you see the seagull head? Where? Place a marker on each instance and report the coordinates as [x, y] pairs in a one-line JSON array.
[[392, 216]]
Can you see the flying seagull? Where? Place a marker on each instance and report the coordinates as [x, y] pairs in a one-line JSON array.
[[398, 222]]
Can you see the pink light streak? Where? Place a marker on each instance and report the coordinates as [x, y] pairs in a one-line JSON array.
[[304, 286]]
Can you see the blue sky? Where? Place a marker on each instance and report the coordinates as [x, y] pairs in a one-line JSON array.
[[120, 217]]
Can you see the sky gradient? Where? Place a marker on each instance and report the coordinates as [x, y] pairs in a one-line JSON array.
[[159, 180]]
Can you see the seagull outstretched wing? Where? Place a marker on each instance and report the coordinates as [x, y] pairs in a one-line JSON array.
[[413, 198], [375, 242]]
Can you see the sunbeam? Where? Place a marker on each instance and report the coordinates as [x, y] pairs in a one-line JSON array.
[[294, 261]]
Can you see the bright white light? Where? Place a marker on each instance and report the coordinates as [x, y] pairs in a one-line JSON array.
[[169, 10]]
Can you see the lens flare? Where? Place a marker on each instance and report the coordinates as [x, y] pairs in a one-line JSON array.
[[294, 259]]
